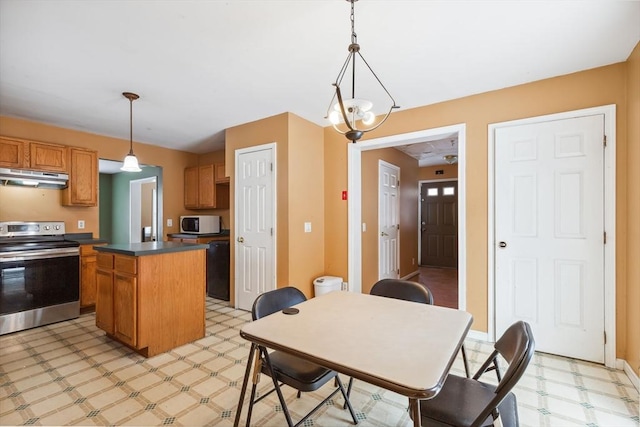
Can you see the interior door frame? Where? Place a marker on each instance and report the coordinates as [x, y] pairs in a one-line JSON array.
[[609, 112], [354, 201]]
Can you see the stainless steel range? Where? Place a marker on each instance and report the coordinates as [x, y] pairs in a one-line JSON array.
[[40, 275]]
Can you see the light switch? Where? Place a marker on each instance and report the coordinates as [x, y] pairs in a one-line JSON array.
[[169, 222], [364, 227], [307, 227], [80, 224]]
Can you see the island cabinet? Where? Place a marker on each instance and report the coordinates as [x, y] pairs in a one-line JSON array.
[[204, 188], [153, 302]]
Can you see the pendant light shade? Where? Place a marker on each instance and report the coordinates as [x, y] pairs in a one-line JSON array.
[[352, 116], [130, 163]]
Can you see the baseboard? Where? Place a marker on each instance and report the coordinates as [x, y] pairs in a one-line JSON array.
[[410, 275], [623, 365], [478, 335]]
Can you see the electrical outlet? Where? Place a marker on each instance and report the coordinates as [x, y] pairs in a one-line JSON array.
[[307, 227], [80, 224], [169, 222]]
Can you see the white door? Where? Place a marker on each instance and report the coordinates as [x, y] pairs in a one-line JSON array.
[[255, 224], [388, 220], [549, 233]]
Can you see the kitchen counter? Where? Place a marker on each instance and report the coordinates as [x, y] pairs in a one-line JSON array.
[[151, 295], [149, 248], [84, 238], [224, 234]]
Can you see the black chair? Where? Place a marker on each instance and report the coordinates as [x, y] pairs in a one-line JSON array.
[[284, 368], [470, 402]]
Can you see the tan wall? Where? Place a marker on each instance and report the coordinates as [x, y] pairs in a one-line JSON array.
[[306, 197], [408, 212], [429, 172], [271, 129], [600, 86], [300, 190], [633, 212], [17, 203]]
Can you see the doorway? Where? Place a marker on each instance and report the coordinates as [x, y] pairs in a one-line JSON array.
[[116, 207], [354, 160], [552, 202]]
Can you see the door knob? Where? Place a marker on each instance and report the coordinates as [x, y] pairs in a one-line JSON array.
[[502, 244], [241, 239], [382, 233]]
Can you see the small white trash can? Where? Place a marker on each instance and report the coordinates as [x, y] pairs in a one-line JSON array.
[[325, 284]]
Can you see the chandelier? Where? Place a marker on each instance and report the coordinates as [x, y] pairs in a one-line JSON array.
[[353, 117], [130, 163]]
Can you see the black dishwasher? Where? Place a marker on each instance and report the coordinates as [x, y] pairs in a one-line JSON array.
[[218, 270]]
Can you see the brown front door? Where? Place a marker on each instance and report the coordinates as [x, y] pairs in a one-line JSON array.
[[439, 224]]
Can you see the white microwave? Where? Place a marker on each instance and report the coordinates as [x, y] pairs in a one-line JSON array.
[[200, 224]]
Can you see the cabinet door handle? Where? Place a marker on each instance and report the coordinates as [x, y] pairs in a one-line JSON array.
[[241, 239]]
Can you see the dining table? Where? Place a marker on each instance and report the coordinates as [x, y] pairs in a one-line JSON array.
[[401, 346]]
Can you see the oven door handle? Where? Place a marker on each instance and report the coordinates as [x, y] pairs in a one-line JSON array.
[[35, 255]]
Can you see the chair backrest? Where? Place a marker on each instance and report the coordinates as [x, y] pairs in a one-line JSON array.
[[516, 346], [402, 289], [276, 300]]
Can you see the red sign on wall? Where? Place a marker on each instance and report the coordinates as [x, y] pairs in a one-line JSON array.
[[344, 195]]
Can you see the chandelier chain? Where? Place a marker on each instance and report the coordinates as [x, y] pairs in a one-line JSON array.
[[352, 17]]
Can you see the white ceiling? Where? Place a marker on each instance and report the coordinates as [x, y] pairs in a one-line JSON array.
[[203, 66]]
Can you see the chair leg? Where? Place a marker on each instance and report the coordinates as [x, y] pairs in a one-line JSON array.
[[346, 398], [466, 362], [299, 394], [348, 391], [273, 376]]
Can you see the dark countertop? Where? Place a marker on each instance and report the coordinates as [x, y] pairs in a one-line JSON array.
[[222, 234], [149, 248], [84, 238]]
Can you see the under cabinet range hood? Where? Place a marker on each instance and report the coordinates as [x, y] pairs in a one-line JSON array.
[[35, 179]]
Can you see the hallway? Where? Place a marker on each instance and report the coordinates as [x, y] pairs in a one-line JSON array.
[[443, 284]]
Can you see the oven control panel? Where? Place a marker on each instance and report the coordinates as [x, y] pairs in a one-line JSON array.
[[23, 228]]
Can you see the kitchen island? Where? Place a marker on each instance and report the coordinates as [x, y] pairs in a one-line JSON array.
[[151, 295]]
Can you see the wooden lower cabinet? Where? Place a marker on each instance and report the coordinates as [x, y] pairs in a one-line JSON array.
[[152, 303], [104, 300], [88, 278], [125, 299]]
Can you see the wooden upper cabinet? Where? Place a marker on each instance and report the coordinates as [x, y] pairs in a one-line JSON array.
[[202, 190], [12, 153], [221, 177], [82, 189], [47, 157], [206, 187], [191, 187]]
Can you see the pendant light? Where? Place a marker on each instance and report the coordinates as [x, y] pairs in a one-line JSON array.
[[130, 163], [348, 115]]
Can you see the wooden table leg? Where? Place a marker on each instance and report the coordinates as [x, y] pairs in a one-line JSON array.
[[244, 384], [414, 407]]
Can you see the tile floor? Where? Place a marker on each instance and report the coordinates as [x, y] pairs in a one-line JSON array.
[[69, 373]]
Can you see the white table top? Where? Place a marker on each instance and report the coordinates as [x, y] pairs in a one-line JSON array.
[[402, 346]]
